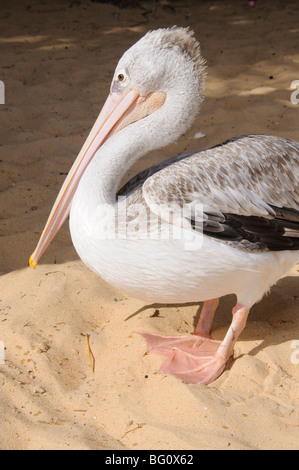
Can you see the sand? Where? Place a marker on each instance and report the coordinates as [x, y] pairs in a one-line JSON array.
[[57, 60]]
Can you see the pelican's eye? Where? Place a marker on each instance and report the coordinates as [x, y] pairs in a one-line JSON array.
[[121, 80]]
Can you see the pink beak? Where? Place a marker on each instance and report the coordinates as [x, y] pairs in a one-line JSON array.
[[119, 111], [113, 110]]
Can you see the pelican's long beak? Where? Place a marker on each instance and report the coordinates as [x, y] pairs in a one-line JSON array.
[[118, 111]]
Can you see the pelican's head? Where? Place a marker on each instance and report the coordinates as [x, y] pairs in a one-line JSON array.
[[164, 65], [158, 81]]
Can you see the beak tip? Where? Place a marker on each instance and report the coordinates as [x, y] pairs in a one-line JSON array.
[[31, 263]]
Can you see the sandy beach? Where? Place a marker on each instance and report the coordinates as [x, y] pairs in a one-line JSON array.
[[57, 61]]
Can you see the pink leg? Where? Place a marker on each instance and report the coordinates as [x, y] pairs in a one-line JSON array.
[[204, 325], [196, 359], [163, 344], [226, 348]]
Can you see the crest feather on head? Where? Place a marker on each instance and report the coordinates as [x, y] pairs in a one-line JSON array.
[[178, 38]]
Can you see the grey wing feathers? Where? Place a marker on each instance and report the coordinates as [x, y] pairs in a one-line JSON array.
[[244, 176], [246, 189], [137, 181]]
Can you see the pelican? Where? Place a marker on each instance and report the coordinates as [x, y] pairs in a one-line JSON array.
[[193, 228]]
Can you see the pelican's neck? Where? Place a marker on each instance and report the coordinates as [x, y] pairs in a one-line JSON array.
[[102, 177]]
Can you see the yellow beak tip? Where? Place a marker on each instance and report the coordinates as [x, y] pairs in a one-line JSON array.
[[32, 264]]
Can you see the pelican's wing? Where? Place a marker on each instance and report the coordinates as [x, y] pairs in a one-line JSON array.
[[245, 191]]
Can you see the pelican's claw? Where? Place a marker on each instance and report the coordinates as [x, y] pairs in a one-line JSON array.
[[191, 358]]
